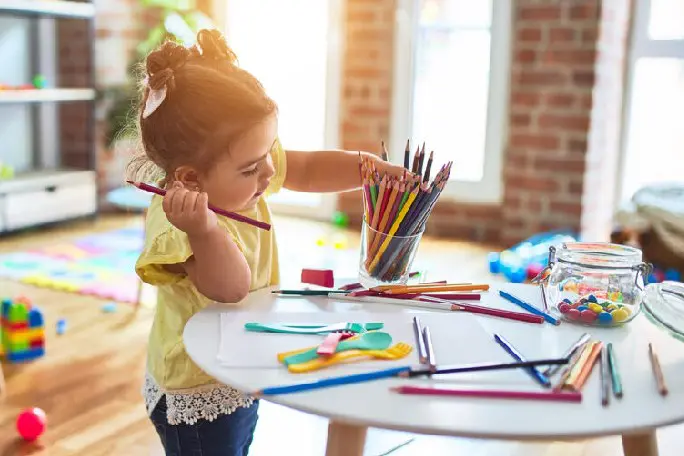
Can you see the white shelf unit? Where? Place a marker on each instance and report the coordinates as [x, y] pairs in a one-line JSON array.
[[43, 190], [46, 95], [52, 8]]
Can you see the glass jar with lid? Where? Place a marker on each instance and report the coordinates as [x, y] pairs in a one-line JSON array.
[[596, 284], [663, 304]]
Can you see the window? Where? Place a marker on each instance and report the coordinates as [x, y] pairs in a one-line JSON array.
[[451, 76], [293, 48], [654, 138]]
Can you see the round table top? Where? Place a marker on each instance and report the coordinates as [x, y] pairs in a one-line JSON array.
[[247, 361]]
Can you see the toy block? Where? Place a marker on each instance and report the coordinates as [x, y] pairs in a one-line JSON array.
[[23, 300], [17, 313], [14, 326], [6, 303], [18, 345], [37, 343], [25, 335], [23, 331], [35, 318], [27, 355], [321, 277]]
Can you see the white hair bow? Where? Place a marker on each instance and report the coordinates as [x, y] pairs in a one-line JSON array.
[[154, 99]]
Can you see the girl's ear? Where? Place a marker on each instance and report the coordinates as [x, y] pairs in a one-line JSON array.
[[188, 176]]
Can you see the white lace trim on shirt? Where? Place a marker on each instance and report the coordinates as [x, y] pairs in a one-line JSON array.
[[188, 407]]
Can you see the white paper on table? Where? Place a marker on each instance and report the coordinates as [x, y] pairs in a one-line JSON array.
[[458, 338]]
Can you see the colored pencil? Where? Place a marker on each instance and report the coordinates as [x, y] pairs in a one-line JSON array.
[[332, 381], [308, 292], [529, 307], [401, 289], [577, 383], [385, 154], [657, 371], [487, 311], [407, 151], [447, 296], [584, 338], [428, 167], [232, 215], [421, 159], [379, 202], [489, 394], [481, 367], [429, 349], [614, 372], [538, 376], [420, 342], [605, 377], [576, 364]]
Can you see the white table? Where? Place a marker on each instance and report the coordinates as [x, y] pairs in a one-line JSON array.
[[353, 408]]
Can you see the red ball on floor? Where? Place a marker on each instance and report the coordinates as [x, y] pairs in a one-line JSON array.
[[31, 423]]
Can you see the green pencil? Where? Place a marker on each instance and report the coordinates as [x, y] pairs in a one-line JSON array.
[[374, 194], [614, 373]]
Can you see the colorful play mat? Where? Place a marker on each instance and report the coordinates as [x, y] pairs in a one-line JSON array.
[[100, 265]]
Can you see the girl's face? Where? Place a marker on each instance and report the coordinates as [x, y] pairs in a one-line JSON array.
[[240, 177]]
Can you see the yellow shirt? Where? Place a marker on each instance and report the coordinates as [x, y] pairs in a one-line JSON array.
[[178, 299]]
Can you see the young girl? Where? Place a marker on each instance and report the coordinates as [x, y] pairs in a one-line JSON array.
[[210, 135]]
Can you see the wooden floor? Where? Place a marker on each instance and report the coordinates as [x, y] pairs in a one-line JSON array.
[[89, 381]]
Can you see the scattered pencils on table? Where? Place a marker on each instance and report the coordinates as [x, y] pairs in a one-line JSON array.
[[396, 210]]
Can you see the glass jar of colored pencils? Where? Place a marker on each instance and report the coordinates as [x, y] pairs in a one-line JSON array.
[[386, 258], [595, 284]]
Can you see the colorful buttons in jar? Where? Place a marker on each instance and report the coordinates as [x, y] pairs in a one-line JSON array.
[[594, 311]]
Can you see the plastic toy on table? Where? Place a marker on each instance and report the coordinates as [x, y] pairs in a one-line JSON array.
[[526, 259], [23, 330]]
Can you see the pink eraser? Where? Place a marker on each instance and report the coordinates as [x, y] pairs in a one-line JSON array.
[[321, 277]]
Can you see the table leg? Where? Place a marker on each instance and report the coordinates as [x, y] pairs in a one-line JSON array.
[[345, 439], [640, 444]]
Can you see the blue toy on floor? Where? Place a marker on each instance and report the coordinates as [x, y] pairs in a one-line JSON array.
[[526, 259]]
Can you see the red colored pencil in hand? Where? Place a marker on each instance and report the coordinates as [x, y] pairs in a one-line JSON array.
[[232, 215]]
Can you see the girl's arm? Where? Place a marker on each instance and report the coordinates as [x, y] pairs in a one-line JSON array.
[[330, 170], [217, 267]]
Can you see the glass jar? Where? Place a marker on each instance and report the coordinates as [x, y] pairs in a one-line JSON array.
[[595, 284], [664, 305]]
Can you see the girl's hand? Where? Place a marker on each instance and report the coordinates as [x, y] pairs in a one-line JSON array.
[[390, 169], [189, 210]]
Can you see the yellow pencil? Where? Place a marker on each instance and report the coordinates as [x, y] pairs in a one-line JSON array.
[[394, 228], [388, 209]]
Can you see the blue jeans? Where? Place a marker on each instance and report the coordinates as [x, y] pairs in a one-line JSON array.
[[227, 435]]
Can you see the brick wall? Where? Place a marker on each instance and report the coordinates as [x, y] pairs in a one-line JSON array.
[[365, 107], [119, 27], [551, 119], [74, 62]]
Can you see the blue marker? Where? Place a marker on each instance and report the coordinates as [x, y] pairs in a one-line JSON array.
[[538, 376], [529, 307]]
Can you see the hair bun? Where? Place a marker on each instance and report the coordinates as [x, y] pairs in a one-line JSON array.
[[162, 63], [214, 46]]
